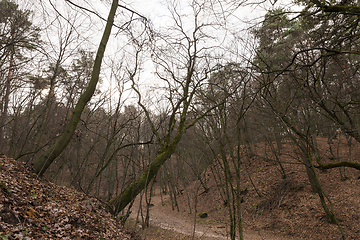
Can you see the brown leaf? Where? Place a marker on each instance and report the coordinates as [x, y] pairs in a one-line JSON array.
[[31, 212]]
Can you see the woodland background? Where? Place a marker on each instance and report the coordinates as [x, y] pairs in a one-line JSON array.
[[173, 101]]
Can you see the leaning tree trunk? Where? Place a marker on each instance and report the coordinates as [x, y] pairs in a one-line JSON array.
[[46, 159], [119, 202]]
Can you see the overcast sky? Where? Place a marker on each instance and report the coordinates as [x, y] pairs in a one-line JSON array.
[[89, 27]]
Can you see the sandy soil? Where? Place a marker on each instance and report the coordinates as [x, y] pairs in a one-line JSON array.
[[286, 209], [162, 215]]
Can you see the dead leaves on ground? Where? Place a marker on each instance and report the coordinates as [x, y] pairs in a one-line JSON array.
[[32, 208]]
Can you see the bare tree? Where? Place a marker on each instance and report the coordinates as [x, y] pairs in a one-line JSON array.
[[43, 162], [182, 62]]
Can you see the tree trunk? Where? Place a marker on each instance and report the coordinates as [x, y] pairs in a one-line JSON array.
[[5, 106], [128, 195], [44, 161], [308, 165]]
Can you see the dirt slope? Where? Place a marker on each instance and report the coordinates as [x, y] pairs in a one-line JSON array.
[[31, 208], [287, 208], [162, 216]]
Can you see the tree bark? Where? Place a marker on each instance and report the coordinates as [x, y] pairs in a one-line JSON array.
[[128, 195], [5, 106], [323, 166], [47, 158]]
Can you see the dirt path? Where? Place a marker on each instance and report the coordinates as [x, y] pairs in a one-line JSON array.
[[162, 215]]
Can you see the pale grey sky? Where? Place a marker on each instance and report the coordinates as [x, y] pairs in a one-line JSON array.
[[228, 35]]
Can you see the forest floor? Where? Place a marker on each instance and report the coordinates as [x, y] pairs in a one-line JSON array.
[[33, 208], [286, 209], [166, 223]]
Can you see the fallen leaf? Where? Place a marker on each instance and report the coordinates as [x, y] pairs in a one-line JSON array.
[[31, 212]]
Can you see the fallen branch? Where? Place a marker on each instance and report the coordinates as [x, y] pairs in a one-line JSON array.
[[339, 164]]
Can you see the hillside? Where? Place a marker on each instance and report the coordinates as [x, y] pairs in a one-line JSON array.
[[33, 208], [286, 209]]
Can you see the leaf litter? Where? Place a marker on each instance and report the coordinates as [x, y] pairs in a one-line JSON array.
[[34, 208]]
